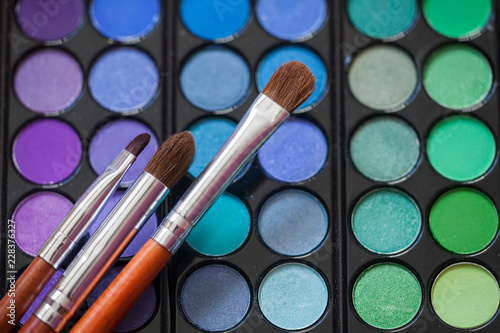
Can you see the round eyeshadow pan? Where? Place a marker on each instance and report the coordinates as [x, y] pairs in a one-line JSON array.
[[140, 313], [215, 298], [48, 81], [296, 152], [382, 19], [215, 21], [383, 77], [458, 77], [282, 54], [49, 21], [386, 221], [463, 221], [385, 149], [461, 148], [36, 217], [114, 136], [457, 19], [387, 296], [293, 296], [126, 21], [293, 222], [140, 238], [215, 78], [223, 228], [465, 295], [291, 20], [124, 80], [47, 151]]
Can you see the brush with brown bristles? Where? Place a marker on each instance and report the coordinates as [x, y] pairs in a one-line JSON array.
[[288, 88], [165, 168], [71, 229]]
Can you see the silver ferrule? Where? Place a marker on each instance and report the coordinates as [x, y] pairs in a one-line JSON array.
[[85, 210], [133, 210], [261, 120]]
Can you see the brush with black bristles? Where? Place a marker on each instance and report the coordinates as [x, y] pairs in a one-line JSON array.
[[67, 234], [288, 88], [165, 168]]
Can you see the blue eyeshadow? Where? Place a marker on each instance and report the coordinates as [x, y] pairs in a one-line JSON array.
[[215, 78], [293, 20], [215, 20], [125, 20], [223, 228], [215, 298], [295, 153], [293, 296], [124, 80], [293, 222], [278, 56]]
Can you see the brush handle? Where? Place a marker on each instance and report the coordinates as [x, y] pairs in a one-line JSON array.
[[117, 300], [28, 286], [35, 325]]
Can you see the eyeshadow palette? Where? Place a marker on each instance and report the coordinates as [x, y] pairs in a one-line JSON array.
[[373, 208]]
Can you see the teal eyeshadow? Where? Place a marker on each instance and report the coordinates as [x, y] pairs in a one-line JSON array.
[[293, 296], [385, 149], [382, 19], [386, 221], [223, 228]]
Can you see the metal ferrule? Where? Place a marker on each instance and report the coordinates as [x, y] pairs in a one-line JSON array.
[[261, 120], [86, 209], [133, 210]]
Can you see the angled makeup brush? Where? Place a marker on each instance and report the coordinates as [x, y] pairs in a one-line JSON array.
[[288, 88], [164, 169], [68, 233]]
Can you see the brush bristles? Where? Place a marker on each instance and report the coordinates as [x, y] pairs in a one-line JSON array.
[[290, 85], [137, 145], [172, 159]]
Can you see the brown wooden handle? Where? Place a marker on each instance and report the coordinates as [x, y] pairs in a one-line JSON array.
[[120, 296], [35, 325], [27, 288]]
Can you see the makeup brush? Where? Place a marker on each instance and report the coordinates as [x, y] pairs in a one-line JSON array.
[[164, 169], [66, 236], [288, 88]]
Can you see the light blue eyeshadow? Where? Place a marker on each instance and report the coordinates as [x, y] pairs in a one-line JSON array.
[[125, 20], [223, 228], [293, 222], [215, 78], [293, 296], [218, 20], [386, 221], [385, 149], [278, 56], [124, 80]]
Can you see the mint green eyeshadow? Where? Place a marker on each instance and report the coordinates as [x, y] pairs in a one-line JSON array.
[[223, 228], [386, 221]]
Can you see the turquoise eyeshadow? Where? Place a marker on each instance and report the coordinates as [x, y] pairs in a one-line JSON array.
[[223, 228], [382, 19], [293, 222], [386, 221], [293, 296], [278, 56], [385, 149]]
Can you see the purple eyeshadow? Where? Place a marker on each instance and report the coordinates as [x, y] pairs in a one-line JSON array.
[[112, 138], [140, 313], [47, 151], [36, 217], [48, 81], [141, 237], [50, 20]]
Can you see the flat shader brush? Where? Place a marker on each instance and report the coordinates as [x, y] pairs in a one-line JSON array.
[[71, 229], [288, 88], [165, 168]]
